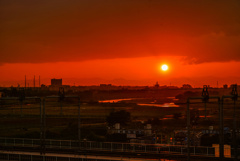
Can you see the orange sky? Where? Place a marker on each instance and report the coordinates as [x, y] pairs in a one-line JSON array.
[[120, 42]]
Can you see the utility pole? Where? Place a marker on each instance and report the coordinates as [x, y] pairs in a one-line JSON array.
[[188, 130], [61, 96], [221, 134], [34, 82], [25, 81], [43, 126], [79, 125], [234, 93], [234, 96], [205, 97]]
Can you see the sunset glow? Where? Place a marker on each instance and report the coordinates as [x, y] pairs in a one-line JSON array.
[[164, 67], [115, 45], [120, 72]]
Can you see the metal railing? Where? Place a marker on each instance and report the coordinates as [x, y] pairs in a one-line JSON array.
[[32, 157], [113, 146]]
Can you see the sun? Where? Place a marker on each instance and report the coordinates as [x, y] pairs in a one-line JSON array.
[[164, 67]]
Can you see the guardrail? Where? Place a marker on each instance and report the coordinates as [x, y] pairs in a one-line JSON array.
[[29, 157], [113, 146]]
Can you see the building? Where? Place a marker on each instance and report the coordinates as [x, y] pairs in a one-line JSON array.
[[156, 85], [105, 85], [225, 86], [186, 86], [56, 82]]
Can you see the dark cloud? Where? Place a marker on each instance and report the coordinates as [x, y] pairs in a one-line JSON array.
[[61, 30]]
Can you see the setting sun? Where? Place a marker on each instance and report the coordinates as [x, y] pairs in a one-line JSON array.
[[164, 67]]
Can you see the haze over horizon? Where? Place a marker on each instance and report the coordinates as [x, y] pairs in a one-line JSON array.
[[120, 42]]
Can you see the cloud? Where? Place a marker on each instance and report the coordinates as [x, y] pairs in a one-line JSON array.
[[61, 30]]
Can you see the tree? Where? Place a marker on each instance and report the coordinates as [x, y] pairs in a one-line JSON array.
[[123, 117]]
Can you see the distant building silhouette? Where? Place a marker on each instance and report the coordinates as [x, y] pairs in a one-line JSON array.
[[156, 85], [105, 85], [56, 82], [225, 86], [186, 86]]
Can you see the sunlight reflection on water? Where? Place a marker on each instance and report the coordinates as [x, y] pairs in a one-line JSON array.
[[160, 105], [152, 104], [115, 100]]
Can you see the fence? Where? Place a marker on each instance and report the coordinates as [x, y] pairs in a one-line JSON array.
[[110, 146]]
